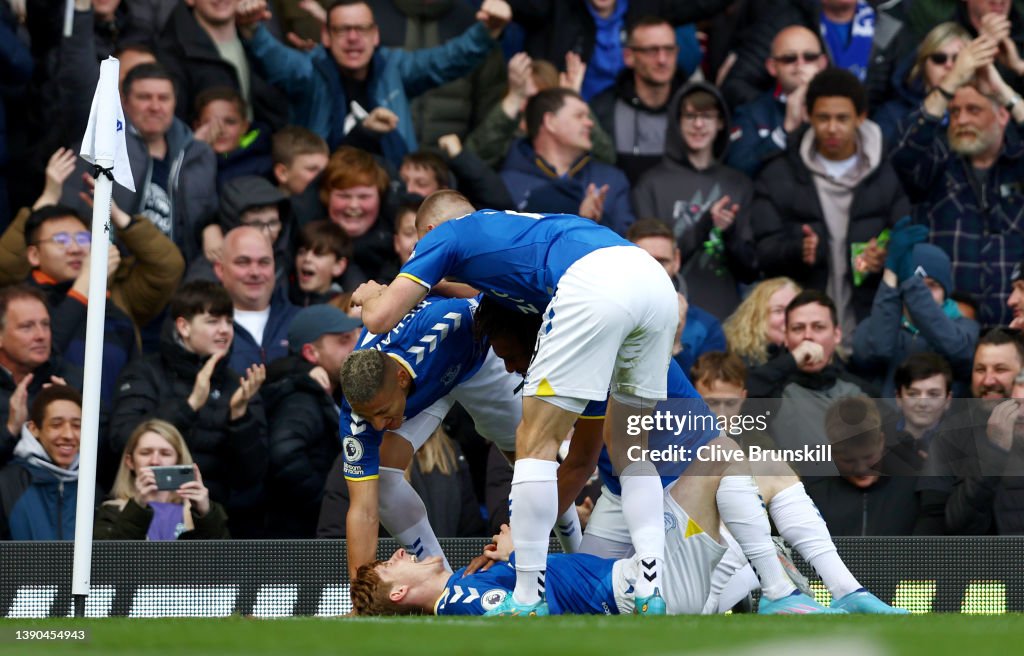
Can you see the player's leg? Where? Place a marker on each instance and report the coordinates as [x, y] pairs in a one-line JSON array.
[[693, 545], [607, 535]]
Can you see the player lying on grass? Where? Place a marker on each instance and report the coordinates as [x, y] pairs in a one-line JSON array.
[[781, 491]]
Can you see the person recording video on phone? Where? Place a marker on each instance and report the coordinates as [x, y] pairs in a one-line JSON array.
[[174, 505]]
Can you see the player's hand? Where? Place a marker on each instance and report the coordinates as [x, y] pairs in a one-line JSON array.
[[1001, 423], [248, 386], [196, 492], [503, 545], [481, 563], [201, 387], [808, 353], [381, 120], [145, 487], [810, 245], [495, 15], [584, 510], [723, 213], [592, 206], [368, 290], [17, 407]]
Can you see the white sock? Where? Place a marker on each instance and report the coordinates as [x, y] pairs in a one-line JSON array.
[[568, 530], [404, 516], [742, 509], [534, 510], [800, 523], [643, 508], [732, 579]]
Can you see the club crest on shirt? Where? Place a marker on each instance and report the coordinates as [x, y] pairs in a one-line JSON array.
[[670, 522], [492, 598]]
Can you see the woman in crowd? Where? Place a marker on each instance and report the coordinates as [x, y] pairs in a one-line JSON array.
[[138, 510], [757, 329]]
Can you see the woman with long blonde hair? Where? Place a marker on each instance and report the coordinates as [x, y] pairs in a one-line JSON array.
[[137, 510], [757, 328]]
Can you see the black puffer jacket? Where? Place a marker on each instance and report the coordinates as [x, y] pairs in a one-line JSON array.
[[304, 442], [231, 454]]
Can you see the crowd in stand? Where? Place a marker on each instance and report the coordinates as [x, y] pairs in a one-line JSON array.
[[836, 187]]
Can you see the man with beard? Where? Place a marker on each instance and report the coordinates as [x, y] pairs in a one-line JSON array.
[[967, 187], [972, 483]]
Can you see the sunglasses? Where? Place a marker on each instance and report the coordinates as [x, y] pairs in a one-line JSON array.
[[793, 57], [940, 58]]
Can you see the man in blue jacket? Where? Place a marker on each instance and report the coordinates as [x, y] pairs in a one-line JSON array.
[[334, 88], [39, 489]]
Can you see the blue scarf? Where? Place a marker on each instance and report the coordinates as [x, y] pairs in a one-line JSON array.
[[606, 62], [849, 44], [949, 308]]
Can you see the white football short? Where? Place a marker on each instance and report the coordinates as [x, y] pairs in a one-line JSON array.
[[611, 323], [490, 398]]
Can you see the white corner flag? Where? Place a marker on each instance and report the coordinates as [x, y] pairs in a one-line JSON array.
[[104, 147]]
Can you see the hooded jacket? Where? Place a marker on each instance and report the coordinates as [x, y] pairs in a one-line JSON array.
[[54, 366], [786, 197], [535, 187], [637, 130], [681, 196], [231, 454]]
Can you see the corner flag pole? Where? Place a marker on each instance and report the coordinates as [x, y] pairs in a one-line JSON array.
[[104, 147]]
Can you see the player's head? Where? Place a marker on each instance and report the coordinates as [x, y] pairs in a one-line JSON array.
[[376, 386], [439, 207], [853, 427], [721, 380], [512, 334], [400, 585]]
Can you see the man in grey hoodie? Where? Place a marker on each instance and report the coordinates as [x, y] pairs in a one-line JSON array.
[[702, 199]]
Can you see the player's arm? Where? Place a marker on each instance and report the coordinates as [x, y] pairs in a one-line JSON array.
[[455, 290], [579, 464], [362, 522], [385, 305]]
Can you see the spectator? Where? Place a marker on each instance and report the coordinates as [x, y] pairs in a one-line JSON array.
[[924, 393], [594, 29], [322, 256], [761, 126], [1003, 23], [974, 170], [201, 48], [302, 396], [552, 170], [138, 510], [756, 331], [808, 376], [698, 330], [505, 123], [299, 156], [39, 489], [913, 313], [425, 172], [1016, 300], [973, 483], [458, 106], [241, 148], [828, 196], [190, 385], [635, 110], [704, 201], [350, 81], [721, 380], [405, 231], [27, 361], [916, 78], [262, 311], [860, 501], [354, 190], [174, 174], [858, 38]]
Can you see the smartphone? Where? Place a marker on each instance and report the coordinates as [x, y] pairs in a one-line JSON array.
[[172, 477]]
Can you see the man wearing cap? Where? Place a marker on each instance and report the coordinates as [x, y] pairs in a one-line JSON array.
[[302, 397], [913, 313], [1016, 300]]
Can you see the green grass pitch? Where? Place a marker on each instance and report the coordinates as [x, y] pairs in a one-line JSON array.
[[962, 635]]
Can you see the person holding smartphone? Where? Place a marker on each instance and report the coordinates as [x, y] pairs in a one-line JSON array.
[[144, 506]]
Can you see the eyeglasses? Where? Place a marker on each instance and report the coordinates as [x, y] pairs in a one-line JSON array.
[[271, 225], [64, 239], [793, 57], [707, 117], [654, 50], [940, 58], [361, 30]]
